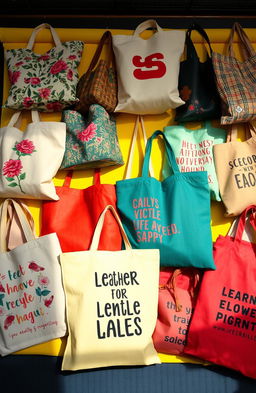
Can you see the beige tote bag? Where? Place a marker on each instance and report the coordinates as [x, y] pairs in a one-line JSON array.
[[111, 299], [235, 164]]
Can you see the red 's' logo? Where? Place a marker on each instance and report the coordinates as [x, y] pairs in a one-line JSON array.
[[157, 68]]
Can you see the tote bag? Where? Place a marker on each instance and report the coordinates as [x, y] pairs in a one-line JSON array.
[[74, 216], [148, 69], [29, 160], [236, 79], [32, 301], [197, 85], [172, 215], [193, 151], [111, 304], [46, 82], [235, 164], [222, 328]]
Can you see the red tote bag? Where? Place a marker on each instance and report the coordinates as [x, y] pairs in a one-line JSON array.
[[74, 216], [223, 326]]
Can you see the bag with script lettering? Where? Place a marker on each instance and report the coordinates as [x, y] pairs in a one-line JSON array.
[[222, 328], [177, 296], [32, 301], [193, 151], [148, 69], [111, 304], [235, 164]]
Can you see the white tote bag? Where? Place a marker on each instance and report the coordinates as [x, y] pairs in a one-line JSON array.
[[32, 301], [30, 159], [112, 299], [148, 70]]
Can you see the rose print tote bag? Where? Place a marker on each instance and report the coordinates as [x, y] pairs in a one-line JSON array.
[[29, 160], [46, 82], [111, 304], [172, 215], [32, 302]]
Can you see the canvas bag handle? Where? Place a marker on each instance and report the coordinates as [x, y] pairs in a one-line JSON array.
[[17, 116], [246, 47], [139, 119], [250, 132], [99, 226], [251, 211], [68, 178], [36, 31], [106, 37], [23, 221], [145, 25], [169, 152]]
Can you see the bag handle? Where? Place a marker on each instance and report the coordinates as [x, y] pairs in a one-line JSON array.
[[25, 227], [250, 132], [191, 51], [169, 151], [105, 37], [36, 31], [145, 25], [17, 116], [247, 48], [139, 119], [69, 175], [251, 210], [99, 226]]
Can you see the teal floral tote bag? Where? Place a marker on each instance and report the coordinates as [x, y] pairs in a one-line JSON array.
[[91, 141]]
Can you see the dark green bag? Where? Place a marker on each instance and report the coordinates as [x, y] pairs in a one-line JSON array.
[[197, 85]]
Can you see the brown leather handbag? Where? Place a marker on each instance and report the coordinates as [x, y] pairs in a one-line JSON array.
[[98, 85]]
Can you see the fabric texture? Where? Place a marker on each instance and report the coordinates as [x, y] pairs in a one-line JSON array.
[[32, 301], [193, 150], [222, 328], [46, 82], [197, 85], [172, 215], [236, 79], [91, 140], [29, 160], [148, 69], [111, 304]]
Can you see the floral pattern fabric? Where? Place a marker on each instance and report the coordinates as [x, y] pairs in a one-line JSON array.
[[91, 142], [44, 82]]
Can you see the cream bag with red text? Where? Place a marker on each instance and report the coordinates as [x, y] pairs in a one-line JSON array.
[[111, 299], [148, 69]]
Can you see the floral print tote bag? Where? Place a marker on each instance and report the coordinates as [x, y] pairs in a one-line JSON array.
[[46, 82], [91, 141], [30, 159]]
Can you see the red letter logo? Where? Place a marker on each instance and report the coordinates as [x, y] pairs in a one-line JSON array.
[[157, 68]]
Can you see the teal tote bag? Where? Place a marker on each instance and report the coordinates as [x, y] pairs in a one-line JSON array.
[[172, 215]]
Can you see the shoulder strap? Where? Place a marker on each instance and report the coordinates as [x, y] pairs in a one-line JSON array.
[[246, 47], [36, 31]]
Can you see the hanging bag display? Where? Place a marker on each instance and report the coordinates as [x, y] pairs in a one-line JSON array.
[[98, 85], [46, 82], [29, 160], [91, 140], [172, 215], [236, 79], [74, 216], [235, 164], [197, 85], [148, 69], [222, 328], [111, 304], [32, 302], [193, 151], [177, 296]]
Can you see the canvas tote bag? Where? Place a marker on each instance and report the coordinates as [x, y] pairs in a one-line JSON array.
[[29, 160], [235, 164], [222, 328], [148, 69], [111, 304], [32, 301]]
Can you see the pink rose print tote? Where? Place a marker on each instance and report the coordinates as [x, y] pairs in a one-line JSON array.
[[32, 301], [30, 159], [46, 82]]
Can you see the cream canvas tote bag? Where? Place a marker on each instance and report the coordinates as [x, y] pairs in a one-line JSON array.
[[112, 299]]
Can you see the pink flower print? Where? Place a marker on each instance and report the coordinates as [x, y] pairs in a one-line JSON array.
[[12, 168], [44, 57], [72, 57], [27, 102], [98, 139], [14, 76], [27, 80], [2, 311], [191, 107], [19, 63], [44, 92], [26, 147], [27, 58], [35, 81], [88, 133], [75, 147], [59, 66], [43, 281], [70, 75], [54, 106]]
